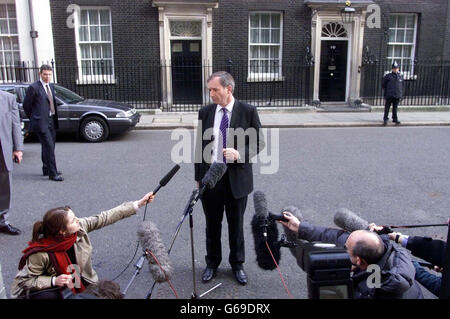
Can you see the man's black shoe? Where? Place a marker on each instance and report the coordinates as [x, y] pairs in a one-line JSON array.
[[57, 178], [384, 123], [10, 230], [396, 122], [240, 276], [45, 173], [208, 274]]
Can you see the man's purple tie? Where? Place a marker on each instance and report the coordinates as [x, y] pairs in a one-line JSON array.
[[223, 130]]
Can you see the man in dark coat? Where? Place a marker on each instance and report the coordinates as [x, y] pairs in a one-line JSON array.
[[40, 107], [366, 248], [218, 140], [393, 92], [426, 248]]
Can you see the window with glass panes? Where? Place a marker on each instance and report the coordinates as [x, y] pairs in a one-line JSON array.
[[95, 43], [402, 40], [9, 41], [265, 41]]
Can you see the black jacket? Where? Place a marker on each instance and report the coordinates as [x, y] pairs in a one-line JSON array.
[[428, 249], [37, 107], [397, 269], [240, 172], [393, 85]]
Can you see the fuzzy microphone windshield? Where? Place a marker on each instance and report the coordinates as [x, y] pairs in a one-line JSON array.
[[151, 242], [349, 221], [264, 229]]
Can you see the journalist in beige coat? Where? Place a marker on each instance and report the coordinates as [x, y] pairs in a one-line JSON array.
[[11, 147], [39, 273]]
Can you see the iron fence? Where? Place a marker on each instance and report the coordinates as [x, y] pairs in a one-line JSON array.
[[181, 86], [426, 83]]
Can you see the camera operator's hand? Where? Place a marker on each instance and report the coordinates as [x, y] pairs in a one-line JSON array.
[[374, 227], [438, 269], [292, 222], [148, 198]]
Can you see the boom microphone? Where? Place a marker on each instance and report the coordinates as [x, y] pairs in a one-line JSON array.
[[166, 178], [265, 232], [150, 239], [349, 221]]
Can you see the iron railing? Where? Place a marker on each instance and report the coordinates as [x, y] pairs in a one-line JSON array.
[[148, 84], [426, 83]]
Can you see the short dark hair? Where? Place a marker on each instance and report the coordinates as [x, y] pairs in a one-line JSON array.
[[225, 78], [369, 252], [45, 67]]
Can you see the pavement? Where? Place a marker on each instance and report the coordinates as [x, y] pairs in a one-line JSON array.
[[308, 117]]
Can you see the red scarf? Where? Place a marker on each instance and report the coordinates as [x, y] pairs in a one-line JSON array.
[[57, 250]]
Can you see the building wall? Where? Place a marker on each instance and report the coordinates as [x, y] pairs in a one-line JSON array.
[[432, 25], [135, 37], [135, 31]]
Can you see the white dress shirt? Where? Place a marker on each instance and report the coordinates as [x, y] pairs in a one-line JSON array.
[[45, 89]]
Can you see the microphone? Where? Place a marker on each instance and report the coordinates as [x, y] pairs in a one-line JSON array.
[[166, 178], [151, 242], [264, 232], [349, 221], [214, 174]]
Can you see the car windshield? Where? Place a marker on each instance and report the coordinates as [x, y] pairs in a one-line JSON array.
[[67, 95]]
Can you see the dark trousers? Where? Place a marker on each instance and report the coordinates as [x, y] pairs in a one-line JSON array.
[[5, 190], [47, 138], [387, 106], [214, 202]]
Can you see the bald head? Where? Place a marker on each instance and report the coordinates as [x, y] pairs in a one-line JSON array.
[[366, 245]]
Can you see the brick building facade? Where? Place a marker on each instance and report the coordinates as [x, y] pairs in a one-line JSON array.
[[160, 52]]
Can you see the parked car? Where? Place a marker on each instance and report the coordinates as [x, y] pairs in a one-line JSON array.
[[92, 119]]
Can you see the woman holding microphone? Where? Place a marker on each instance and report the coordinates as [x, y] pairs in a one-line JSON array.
[[60, 251]]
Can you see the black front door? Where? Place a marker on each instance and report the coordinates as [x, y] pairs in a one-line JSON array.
[[187, 71], [333, 71]]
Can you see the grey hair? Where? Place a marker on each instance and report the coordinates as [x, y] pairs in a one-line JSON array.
[[370, 252], [226, 79]]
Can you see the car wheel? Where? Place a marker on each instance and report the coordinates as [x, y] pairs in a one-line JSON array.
[[94, 129]]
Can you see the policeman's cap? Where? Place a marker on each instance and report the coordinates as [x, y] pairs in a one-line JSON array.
[[395, 65]]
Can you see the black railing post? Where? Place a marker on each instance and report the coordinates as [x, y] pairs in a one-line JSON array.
[[54, 71]]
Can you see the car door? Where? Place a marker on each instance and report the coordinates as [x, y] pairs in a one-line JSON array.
[[64, 118]]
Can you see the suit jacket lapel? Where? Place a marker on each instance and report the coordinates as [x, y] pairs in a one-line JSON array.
[[210, 117], [235, 114]]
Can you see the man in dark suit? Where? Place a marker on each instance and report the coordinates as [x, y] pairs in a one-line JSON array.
[[220, 138], [11, 147], [40, 106]]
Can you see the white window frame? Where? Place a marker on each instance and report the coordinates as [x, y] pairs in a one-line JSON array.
[[407, 75], [9, 69], [265, 77], [99, 78]]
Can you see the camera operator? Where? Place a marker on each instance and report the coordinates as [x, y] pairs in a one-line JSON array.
[[426, 248], [366, 248], [61, 245]]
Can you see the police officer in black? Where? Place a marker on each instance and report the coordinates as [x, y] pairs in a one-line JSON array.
[[393, 92]]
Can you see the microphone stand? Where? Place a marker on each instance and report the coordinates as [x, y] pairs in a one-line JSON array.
[[195, 196], [138, 266]]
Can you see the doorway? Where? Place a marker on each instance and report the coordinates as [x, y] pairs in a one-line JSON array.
[[333, 70], [186, 56]]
